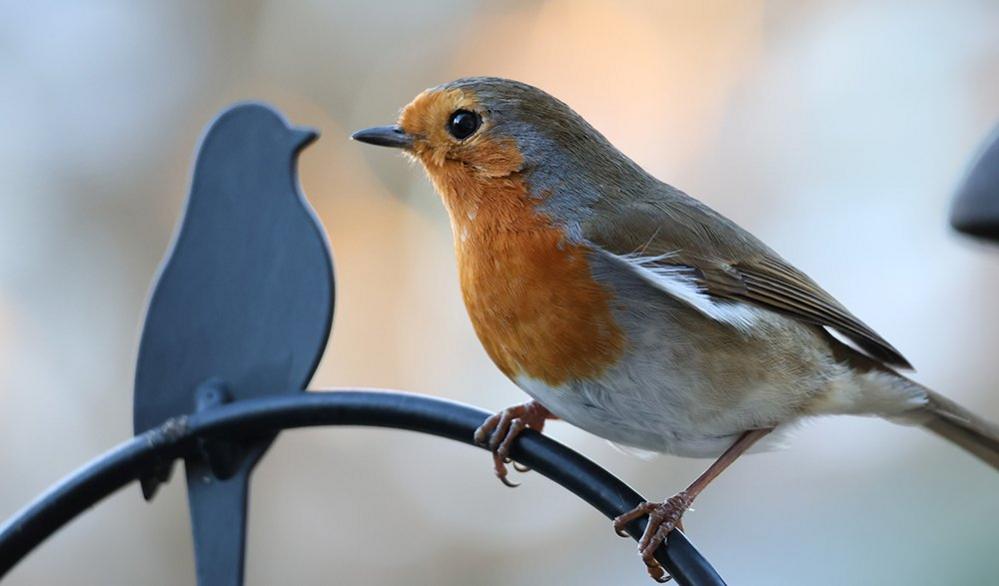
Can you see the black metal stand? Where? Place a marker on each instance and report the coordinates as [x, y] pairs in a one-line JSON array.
[[454, 421]]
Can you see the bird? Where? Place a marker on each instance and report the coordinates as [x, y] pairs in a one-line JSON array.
[[242, 308], [628, 308]]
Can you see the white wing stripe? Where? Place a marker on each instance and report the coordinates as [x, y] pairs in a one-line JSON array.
[[680, 282]]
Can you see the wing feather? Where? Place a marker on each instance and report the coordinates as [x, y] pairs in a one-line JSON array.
[[724, 262]]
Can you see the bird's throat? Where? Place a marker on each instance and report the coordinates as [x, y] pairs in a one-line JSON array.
[[528, 289]]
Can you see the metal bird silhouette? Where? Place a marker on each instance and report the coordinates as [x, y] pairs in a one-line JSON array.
[[242, 308]]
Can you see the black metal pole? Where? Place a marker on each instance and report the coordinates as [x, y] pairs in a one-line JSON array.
[[110, 472]]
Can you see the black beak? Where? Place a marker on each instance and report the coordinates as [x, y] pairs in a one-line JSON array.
[[386, 136]]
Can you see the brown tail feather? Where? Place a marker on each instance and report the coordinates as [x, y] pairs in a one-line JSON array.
[[962, 427]]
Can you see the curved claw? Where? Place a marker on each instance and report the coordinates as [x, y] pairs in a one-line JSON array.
[[660, 575], [499, 431], [520, 467], [499, 466], [621, 521], [656, 570], [507, 482], [663, 518]]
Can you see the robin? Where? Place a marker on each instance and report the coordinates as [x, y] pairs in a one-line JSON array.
[[629, 309]]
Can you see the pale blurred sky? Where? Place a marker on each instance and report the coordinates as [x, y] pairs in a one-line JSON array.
[[836, 131]]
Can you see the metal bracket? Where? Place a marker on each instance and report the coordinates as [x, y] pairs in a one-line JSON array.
[[218, 486], [223, 456]]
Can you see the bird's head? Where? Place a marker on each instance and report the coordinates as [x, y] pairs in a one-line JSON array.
[[476, 134]]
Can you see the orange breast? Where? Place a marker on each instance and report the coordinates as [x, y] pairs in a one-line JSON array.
[[529, 293]]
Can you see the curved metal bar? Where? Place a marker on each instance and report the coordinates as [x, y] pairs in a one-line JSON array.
[[98, 479]]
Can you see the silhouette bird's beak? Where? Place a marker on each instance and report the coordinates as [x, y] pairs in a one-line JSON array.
[[302, 137], [386, 136]]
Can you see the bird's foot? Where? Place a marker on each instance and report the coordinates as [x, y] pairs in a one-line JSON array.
[[499, 432], [663, 518]]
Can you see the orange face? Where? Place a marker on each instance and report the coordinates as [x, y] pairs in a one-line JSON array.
[[528, 289], [523, 284], [438, 142]]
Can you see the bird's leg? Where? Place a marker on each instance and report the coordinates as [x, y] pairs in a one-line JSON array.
[[500, 430], [664, 516]]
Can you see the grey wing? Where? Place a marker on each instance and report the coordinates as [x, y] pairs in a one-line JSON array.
[[696, 254]]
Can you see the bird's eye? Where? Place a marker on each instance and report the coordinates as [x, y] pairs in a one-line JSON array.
[[463, 124]]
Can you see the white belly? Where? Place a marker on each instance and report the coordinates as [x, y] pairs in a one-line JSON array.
[[634, 419], [662, 398]]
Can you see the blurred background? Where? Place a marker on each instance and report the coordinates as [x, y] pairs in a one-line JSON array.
[[836, 131]]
